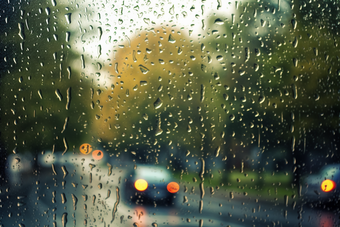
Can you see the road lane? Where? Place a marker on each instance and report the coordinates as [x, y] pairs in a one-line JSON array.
[[88, 196]]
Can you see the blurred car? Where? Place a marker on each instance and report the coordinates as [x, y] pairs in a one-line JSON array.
[[324, 187], [152, 185]]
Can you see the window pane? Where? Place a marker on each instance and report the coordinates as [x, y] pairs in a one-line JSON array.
[[156, 113]]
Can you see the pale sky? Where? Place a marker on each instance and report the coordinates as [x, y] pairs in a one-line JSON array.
[[120, 20]]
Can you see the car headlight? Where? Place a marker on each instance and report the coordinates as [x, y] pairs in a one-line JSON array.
[[328, 185], [141, 185]]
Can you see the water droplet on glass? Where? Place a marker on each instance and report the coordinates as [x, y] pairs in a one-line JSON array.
[[172, 10], [171, 39], [74, 201], [294, 23], [261, 99], [21, 31], [100, 32], [63, 168], [68, 17], [143, 69], [143, 83], [58, 94], [82, 59], [158, 103], [64, 219], [218, 21], [219, 58], [295, 42], [146, 20]]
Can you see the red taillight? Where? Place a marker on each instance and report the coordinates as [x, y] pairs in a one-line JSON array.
[[97, 154], [328, 185], [141, 185], [172, 187]]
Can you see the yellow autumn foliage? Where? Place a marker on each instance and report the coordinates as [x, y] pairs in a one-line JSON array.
[[157, 93]]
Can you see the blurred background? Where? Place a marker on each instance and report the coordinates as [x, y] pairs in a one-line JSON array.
[[238, 96]]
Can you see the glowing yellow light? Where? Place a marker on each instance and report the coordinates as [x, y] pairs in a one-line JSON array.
[[327, 185], [173, 187], [85, 148], [141, 185]]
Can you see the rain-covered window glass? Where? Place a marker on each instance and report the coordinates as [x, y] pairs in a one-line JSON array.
[[169, 113]]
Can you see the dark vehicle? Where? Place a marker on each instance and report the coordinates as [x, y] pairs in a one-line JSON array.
[[152, 185], [323, 188]]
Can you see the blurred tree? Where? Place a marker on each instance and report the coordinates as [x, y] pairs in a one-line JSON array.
[[161, 95], [284, 65], [41, 94]]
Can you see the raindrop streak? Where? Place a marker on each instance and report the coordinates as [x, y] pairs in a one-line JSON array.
[[54, 3], [202, 169], [21, 31], [74, 200], [295, 94], [40, 94], [63, 168], [64, 219], [114, 210], [53, 170], [82, 61], [201, 223], [100, 32], [202, 92], [94, 199], [247, 54], [217, 151], [108, 193], [68, 98], [68, 34], [158, 103], [99, 50], [143, 69], [261, 99], [65, 145], [286, 200], [109, 169], [202, 190], [63, 198], [171, 39], [68, 18], [172, 10]]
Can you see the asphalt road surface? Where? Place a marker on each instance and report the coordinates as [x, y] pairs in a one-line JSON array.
[[91, 195]]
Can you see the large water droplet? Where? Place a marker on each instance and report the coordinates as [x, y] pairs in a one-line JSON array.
[[261, 99], [158, 103], [68, 18], [143, 69], [171, 39], [218, 21]]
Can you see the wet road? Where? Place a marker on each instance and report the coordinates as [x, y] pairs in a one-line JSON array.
[[89, 195]]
